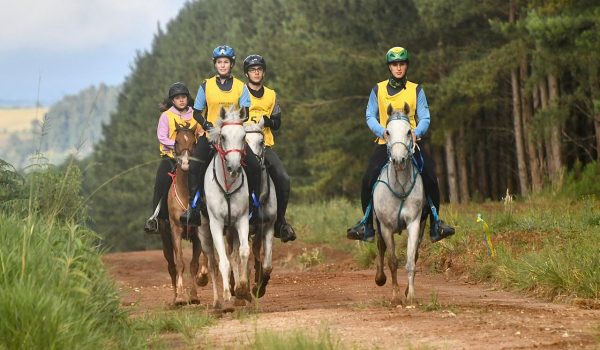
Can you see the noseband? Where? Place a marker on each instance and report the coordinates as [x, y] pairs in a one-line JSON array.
[[261, 156], [410, 147], [223, 153]]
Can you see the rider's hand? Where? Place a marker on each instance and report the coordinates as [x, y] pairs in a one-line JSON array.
[[268, 123], [207, 126], [414, 137]]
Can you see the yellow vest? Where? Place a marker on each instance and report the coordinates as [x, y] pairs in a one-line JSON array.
[[408, 95], [263, 106], [175, 118], [217, 98]]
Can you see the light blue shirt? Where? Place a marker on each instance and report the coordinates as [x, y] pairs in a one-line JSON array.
[[372, 114]]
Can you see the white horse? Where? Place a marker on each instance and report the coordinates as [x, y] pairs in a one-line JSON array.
[[398, 201], [226, 191], [262, 232]]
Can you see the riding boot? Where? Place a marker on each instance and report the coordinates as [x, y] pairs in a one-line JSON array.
[[284, 231], [362, 231], [439, 230], [151, 225], [191, 217]]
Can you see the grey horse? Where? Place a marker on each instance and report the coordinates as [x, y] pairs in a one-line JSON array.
[[226, 229], [398, 202], [262, 233]]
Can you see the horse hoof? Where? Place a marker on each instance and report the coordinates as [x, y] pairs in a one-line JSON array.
[[239, 302], [179, 302], [259, 291], [195, 301], [202, 280], [380, 280], [396, 301]]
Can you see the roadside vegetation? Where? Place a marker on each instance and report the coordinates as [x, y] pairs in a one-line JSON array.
[[547, 245]]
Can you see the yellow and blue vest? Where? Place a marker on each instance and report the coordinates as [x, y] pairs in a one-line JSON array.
[[406, 95], [217, 98], [260, 106], [176, 118]]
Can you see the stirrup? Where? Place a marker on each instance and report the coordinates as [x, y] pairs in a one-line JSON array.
[[440, 230], [151, 225], [361, 232], [190, 217], [285, 232]]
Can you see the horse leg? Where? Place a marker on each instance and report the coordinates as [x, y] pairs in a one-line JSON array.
[[267, 266], [209, 253], [412, 248], [202, 278], [234, 259], [380, 278], [256, 247], [388, 236], [167, 245], [194, 267], [243, 287], [176, 233], [216, 230]]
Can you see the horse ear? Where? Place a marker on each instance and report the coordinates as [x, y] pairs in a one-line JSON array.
[[389, 110], [222, 113], [187, 125], [406, 108], [177, 126], [243, 115]]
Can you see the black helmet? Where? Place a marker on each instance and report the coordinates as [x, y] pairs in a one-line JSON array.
[[178, 89], [254, 60]]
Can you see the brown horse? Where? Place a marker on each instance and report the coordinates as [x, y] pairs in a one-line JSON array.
[[177, 201]]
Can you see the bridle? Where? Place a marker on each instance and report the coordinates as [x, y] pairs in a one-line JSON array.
[[261, 156]]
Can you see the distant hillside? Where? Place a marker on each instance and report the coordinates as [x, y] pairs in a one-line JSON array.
[[71, 126]]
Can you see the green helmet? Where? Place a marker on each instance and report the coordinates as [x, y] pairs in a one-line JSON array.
[[396, 54]]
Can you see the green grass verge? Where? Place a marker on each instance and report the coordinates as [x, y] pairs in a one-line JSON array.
[[296, 340], [54, 292]]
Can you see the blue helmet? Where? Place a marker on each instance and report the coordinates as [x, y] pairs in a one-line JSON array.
[[223, 51]]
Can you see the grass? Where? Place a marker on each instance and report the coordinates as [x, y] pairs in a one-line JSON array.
[[187, 323], [310, 258]]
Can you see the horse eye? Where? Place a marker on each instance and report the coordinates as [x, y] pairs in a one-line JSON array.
[[222, 138], [408, 133]]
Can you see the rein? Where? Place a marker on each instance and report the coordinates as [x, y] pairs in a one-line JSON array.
[[261, 161], [173, 176], [227, 193]]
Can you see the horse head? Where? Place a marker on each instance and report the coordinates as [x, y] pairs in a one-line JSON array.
[[255, 137], [228, 138], [185, 141], [398, 136]]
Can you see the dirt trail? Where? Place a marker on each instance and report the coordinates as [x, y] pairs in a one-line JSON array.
[[345, 300]]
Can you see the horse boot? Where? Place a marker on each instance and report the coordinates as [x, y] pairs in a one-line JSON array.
[[439, 230], [363, 231], [191, 217], [284, 231]]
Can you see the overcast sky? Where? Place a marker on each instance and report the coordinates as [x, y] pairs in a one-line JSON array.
[[68, 45]]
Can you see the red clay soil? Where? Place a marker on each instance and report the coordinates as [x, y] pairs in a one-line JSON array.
[[343, 299]]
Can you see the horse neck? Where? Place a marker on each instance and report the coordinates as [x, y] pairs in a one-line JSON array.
[[181, 182]]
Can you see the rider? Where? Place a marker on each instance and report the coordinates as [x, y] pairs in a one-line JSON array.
[[177, 108], [263, 103], [396, 91], [221, 90]]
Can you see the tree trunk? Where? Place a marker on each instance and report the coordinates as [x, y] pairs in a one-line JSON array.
[[463, 174], [555, 132], [451, 167], [517, 118], [518, 129], [527, 109], [543, 89], [594, 95]]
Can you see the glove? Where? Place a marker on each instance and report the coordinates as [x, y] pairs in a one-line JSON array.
[[207, 126], [268, 122]]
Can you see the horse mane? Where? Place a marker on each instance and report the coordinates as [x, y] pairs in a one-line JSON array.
[[230, 115], [252, 127]]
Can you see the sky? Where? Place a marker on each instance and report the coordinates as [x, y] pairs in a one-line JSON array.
[[60, 47]]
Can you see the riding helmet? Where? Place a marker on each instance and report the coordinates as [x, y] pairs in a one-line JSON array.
[[254, 60], [396, 54], [178, 88], [223, 51]]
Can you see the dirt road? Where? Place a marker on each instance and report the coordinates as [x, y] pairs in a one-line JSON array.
[[344, 299]]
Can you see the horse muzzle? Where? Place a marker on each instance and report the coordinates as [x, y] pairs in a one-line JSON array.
[[399, 164]]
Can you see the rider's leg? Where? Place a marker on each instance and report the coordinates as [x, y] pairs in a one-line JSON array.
[[281, 180], [437, 228], [161, 188], [253, 173], [198, 165], [364, 229]]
